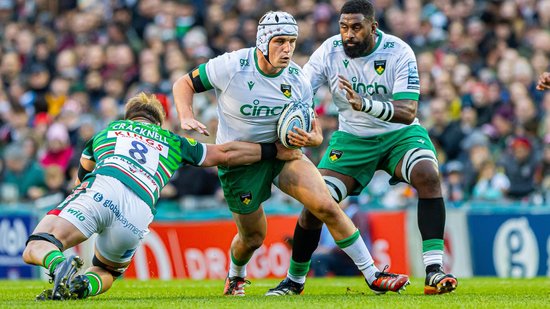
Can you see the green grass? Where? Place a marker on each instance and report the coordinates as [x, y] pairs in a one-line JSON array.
[[333, 293]]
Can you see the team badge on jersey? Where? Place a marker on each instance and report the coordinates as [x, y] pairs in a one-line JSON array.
[[286, 90], [246, 198], [335, 155], [380, 66], [191, 141]]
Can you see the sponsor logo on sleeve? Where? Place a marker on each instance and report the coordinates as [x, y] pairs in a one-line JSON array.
[[191, 141], [414, 79]]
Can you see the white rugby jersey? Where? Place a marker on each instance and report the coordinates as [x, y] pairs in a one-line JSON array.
[[387, 73], [249, 101]]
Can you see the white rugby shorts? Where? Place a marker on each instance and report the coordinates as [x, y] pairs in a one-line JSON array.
[[105, 206]]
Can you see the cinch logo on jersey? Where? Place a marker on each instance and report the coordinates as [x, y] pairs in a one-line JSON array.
[[257, 110], [120, 217], [246, 198], [77, 213], [370, 89]]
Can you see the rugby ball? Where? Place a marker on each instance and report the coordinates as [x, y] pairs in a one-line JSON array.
[[296, 114]]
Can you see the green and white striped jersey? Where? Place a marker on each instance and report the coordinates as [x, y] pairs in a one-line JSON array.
[[142, 156], [250, 101], [388, 73]]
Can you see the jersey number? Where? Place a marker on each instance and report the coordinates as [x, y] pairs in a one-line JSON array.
[[145, 155], [138, 152]]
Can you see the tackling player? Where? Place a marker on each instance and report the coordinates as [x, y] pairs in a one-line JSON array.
[[122, 171], [375, 85], [252, 86]]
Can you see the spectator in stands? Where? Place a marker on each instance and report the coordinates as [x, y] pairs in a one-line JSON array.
[[453, 182], [483, 58], [492, 185], [21, 174], [58, 148], [519, 166], [448, 134]]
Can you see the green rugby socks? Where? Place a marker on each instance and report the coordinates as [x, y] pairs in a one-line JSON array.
[[52, 259]]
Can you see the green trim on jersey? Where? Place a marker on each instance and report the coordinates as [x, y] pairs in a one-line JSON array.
[[142, 156], [260, 70], [406, 96], [204, 77], [377, 43]]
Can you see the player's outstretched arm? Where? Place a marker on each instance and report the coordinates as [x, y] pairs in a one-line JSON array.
[[544, 81], [183, 91], [398, 111], [85, 167], [242, 153], [307, 139]]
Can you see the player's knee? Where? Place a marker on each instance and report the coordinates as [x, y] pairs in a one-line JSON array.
[[27, 255], [308, 221], [116, 272], [417, 164], [39, 242], [326, 211], [254, 240], [336, 187], [425, 179]]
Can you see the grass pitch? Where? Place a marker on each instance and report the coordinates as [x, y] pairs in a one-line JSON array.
[[320, 293]]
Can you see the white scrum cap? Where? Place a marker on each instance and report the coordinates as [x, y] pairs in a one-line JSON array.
[[274, 24]]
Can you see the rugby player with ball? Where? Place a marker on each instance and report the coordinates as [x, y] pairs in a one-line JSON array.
[[252, 87]]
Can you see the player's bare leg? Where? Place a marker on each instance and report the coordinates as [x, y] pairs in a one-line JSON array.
[[302, 180], [424, 177], [44, 248], [252, 229]]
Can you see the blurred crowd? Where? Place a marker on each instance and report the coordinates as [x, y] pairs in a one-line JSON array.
[[67, 66]]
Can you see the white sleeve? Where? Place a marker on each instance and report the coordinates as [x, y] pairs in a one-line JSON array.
[[314, 69], [218, 70], [406, 79]]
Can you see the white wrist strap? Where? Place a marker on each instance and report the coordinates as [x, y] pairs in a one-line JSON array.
[[380, 109]]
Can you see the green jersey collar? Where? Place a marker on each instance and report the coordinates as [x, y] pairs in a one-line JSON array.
[[379, 33], [260, 70]]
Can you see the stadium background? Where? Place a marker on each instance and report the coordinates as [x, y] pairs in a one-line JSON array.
[[67, 66]]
